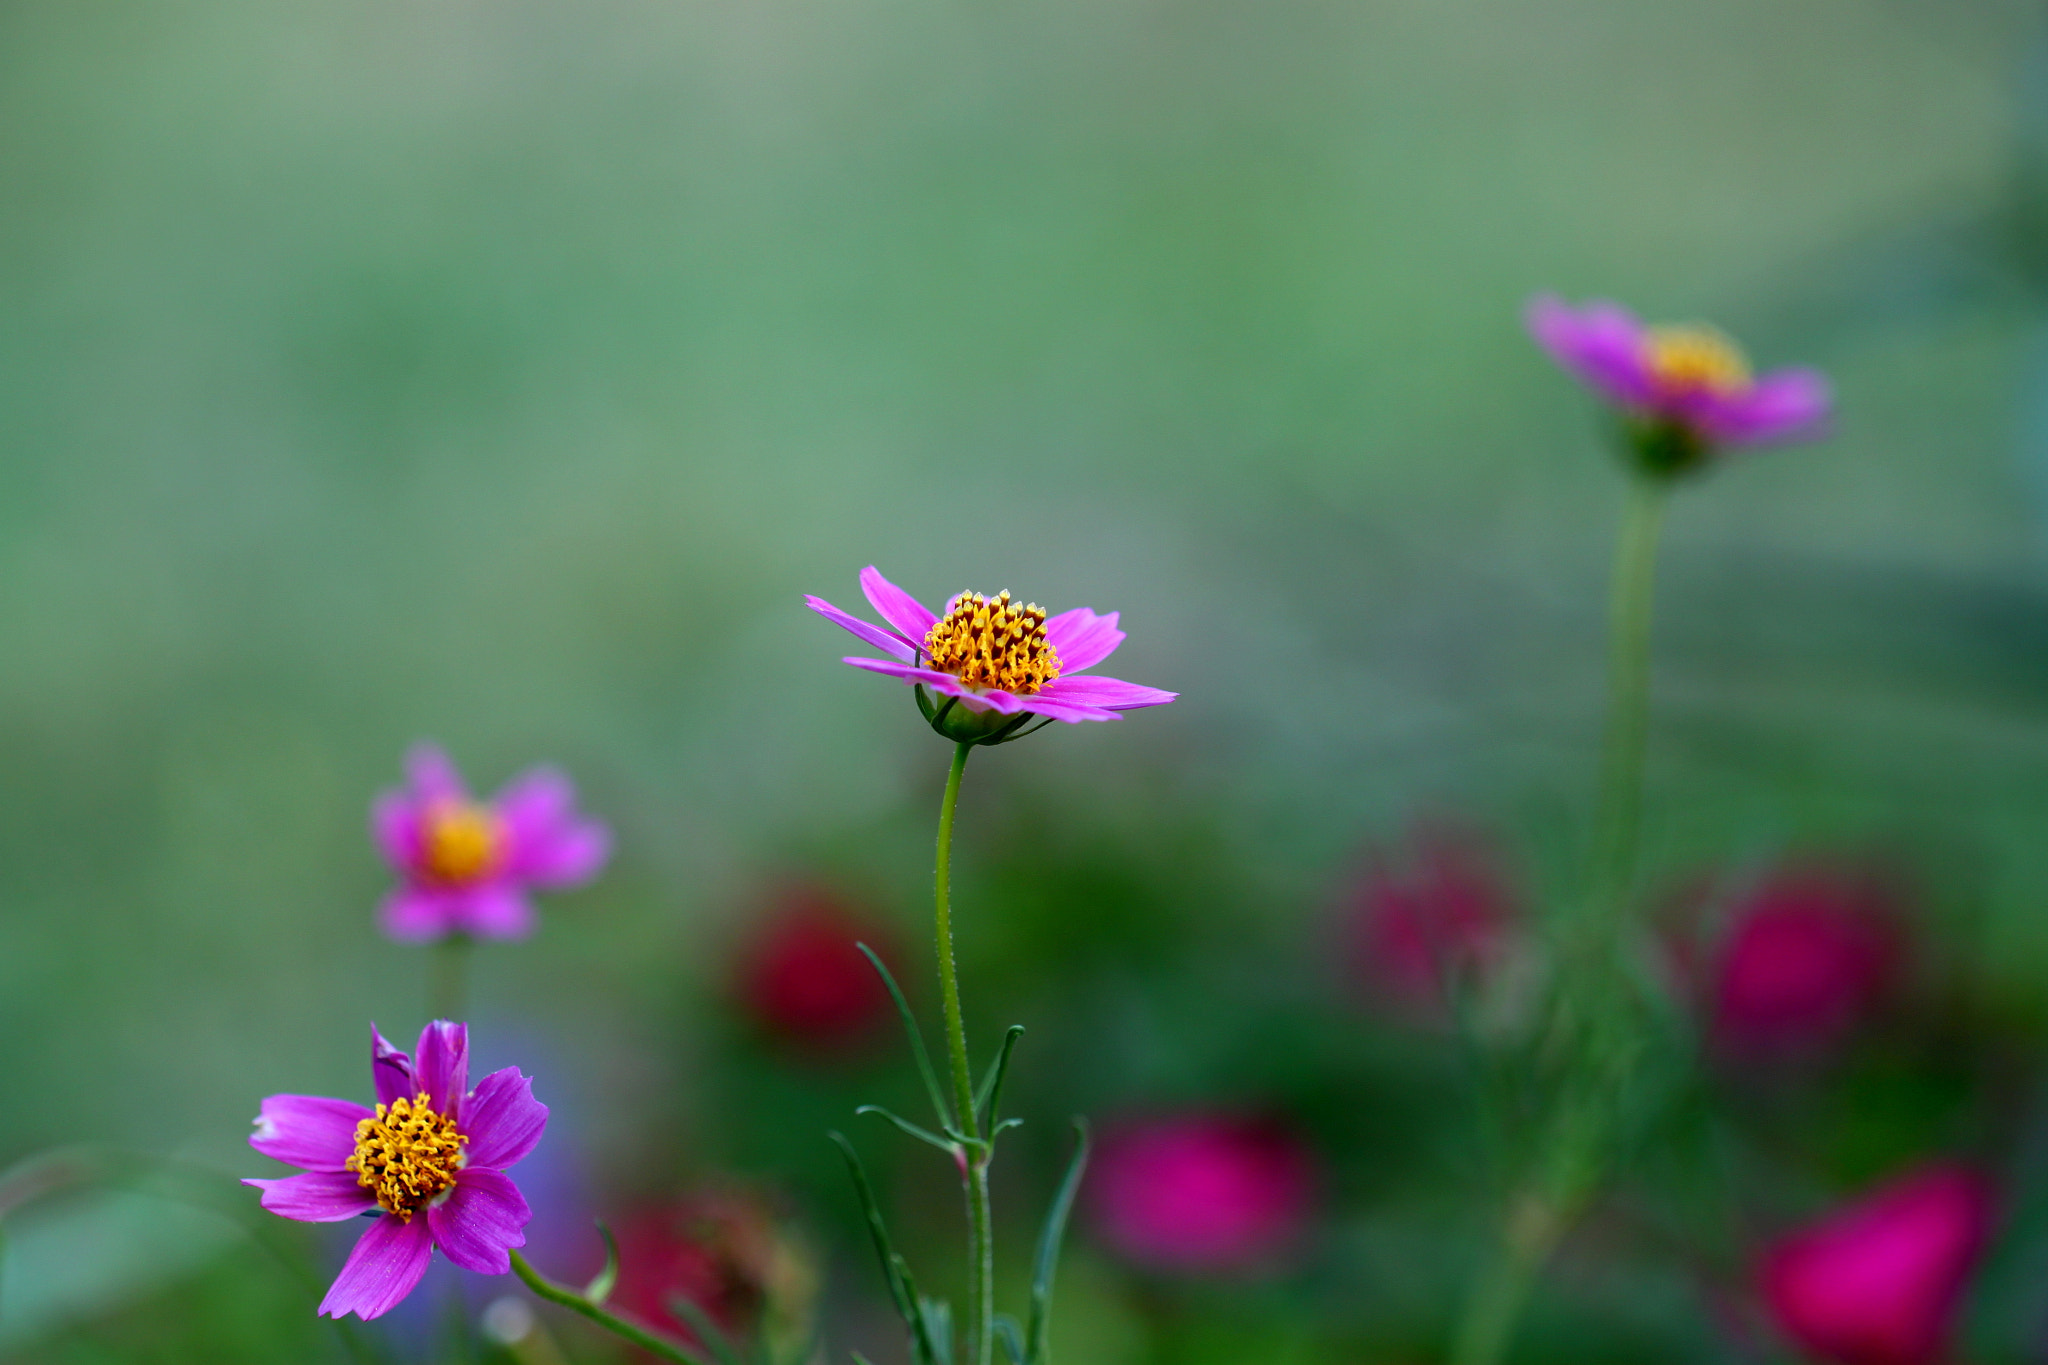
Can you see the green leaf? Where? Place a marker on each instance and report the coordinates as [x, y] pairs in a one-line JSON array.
[[1037, 1349], [600, 1287], [902, 1288], [938, 1327], [946, 1145], [1012, 1338], [924, 1059], [990, 1095], [708, 1332]]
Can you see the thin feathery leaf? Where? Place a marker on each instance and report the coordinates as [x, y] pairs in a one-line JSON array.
[[924, 1059], [1037, 1347], [990, 1097], [601, 1285]]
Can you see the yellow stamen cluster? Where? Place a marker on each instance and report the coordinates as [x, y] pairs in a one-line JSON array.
[[993, 642], [1696, 360], [406, 1154], [462, 842]]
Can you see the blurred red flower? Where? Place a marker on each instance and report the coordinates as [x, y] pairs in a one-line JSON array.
[[721, 1249], [1202, 1193], [803, 979], [1809, 952], [1880, 1281], [1442, 905]]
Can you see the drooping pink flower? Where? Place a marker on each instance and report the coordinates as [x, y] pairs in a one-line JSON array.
[[1809, 952], [802, 978], [1880, 1282], [429, 1161], [1202, 1193], [1440, 907], [994, 664], [466, 865], [1687, 390]]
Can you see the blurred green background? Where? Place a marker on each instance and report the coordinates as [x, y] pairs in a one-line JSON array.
[[504, 373]]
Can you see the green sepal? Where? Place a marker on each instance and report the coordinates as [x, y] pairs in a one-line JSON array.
[[924, 1058], [600, 1287], [1037, 1349]]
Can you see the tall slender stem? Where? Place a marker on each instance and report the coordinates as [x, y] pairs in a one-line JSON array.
[[1628, 699], [448, 977], [974, 1168]]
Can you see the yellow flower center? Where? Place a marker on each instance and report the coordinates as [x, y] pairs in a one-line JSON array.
[[406, 1154], [993, 642], [1696, 360], [463, 841]]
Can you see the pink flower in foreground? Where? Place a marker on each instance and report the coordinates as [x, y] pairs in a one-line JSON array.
[[1443, 907], [995, 664], [1880, 1282], [429, 1161], [1687, 391], [1202, 1193], [1811, 950], [466, 864], [803, 979]]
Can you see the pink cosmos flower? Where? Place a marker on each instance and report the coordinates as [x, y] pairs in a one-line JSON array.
[[1202, 1193], [1810, 951], [996, 664], [1687, 390], [466, 864], [429, 1161], [1442, 907], [1880, 1282], [802, 978]]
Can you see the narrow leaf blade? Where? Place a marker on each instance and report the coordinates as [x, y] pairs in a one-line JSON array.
[[1037, 1347]]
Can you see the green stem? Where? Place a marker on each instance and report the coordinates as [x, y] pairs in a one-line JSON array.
[[448, 977], [1628, 706], [578, 1303], [1498, 1299], [974, 1169]]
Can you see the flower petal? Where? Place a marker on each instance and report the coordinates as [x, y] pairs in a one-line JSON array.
[[443, 1064], [1601, 343], [931, 677], [549, 843], [1082, 639], [391, 1070], [387, 1263], [316, 1196], [1111, 694], [568, 856], [419, 914], [896, 606], [1782, 406], [479, 1222], [432, 774], [1071, 712], [502, 1119], [311, 1131], [395, 829], [888, 641], [497, 910]]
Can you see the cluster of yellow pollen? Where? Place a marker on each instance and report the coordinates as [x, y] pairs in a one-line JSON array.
[[1695, 360], [406, 1154], [461, 841], [993, 642]]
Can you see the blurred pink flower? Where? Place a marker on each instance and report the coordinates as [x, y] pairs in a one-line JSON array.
[[1687, 390], [465, 865], [1202, 1193], [1880, 1281], [719, 1249], [802, 978], [1809, 952], [1441, 906]]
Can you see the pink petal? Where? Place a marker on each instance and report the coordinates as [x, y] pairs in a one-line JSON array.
[[391, 1070], [888, 641], [930, 677], [1601, 343], [479, 1222], [896, 606], [442, 1065], [1111, 694], [433, 775], [536, 801], [1083, 639], [419, 914], [308, 1130], [315, 1197], [502, 1119], [566, 855], [387, 1262], [1071, 712], [500, 910], [1782, 406], [395, 829]]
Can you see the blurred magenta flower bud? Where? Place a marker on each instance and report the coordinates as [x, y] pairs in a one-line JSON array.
[[1440, 906], [801, 976], [1807, 955], [1880, 1281], [724, 1251], [1202, 1193], [1685, 392], [466, 865]]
